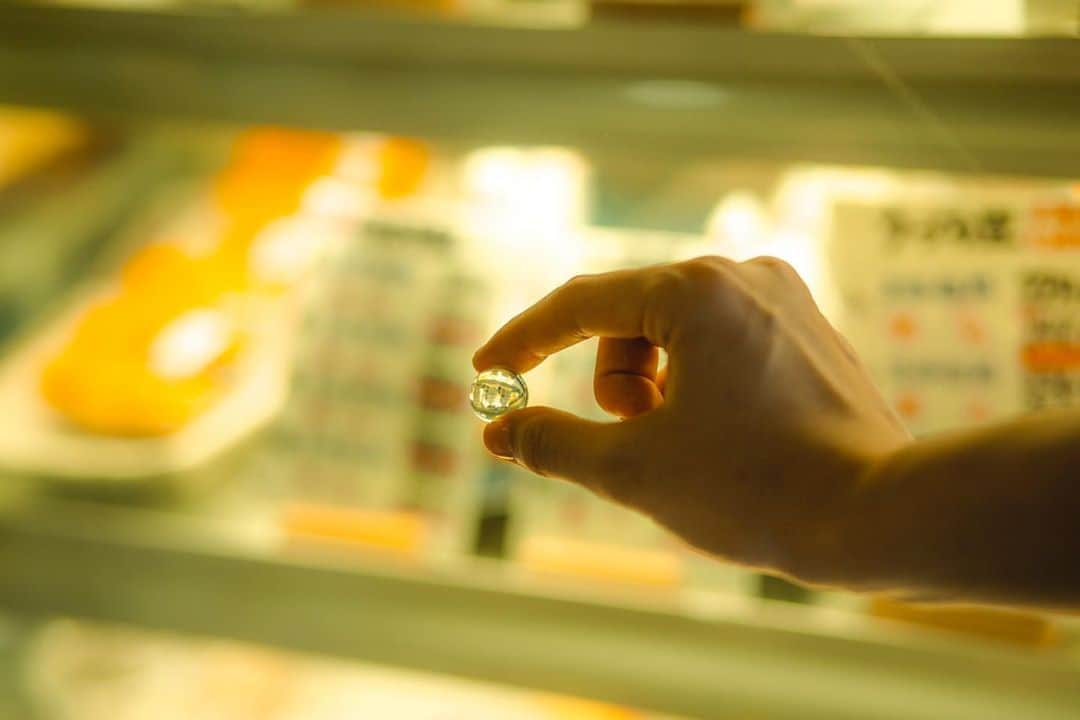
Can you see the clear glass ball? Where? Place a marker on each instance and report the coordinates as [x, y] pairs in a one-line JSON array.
[[496, 392]]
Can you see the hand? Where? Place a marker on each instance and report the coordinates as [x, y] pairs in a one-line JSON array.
[[750, 442]]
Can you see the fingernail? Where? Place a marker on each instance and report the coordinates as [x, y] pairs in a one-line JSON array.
[[497, 440]]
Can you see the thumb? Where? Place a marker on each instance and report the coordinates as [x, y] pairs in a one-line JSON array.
[[558, 444]]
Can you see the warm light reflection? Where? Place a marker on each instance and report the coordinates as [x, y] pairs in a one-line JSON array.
[[286, 249], [738, 226], [510, 190], [336, 198], [190, 343], [802, 208], [521, 212]]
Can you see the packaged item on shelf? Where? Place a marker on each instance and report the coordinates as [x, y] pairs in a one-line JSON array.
[[361, 355], [447, 457], [959, 299], [146, 355], [1013, 627], [377, 446], [346, 433], [77, 671], [185, 349], [149, 357], [377, 436], [82, 671], [1049, 300]]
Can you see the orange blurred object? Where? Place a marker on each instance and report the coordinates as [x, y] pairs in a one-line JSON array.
[[287, 152], [1049, 357], [147, 360], [269, 171], [1008, 626], [568, 708], [403, 164], [116, 372], [566, 557], [111, 396], [250, 198], [170, 277], [399, 532]]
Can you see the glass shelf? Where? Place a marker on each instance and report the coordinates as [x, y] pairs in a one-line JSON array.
[[212, 573], [1003, 105]]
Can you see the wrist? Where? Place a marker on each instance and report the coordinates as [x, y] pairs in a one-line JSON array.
[[843, 534]]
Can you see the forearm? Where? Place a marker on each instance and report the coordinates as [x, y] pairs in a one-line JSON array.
[[987, 516]]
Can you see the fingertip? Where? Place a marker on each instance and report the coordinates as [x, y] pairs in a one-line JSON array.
[[484, 358], [553, 443], [487, 357], [497, 439]]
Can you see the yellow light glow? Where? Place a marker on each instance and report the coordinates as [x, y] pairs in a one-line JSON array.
[[510, 190], [338, 199], [190, 343], [738, 226], [286, 249]]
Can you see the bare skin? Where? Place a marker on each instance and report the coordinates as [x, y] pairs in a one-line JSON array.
[[765, 443]]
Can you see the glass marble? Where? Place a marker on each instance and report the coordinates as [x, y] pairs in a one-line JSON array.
[[496, 392]]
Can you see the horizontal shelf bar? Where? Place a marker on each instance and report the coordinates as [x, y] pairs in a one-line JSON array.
[[155, 570], [981, 105], [660, 50]]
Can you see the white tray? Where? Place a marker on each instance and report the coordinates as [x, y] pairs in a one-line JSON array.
[[36, 440]]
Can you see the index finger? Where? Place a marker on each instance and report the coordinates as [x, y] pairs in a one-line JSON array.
[[615, 304]]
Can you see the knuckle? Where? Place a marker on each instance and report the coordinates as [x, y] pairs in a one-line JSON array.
[[769, 261], [705, 276], [776, 265], [714, 261], [666, 288], [667, 300], [708, 266], [572, 291], [687, 294], [576, 282], [689, 281]]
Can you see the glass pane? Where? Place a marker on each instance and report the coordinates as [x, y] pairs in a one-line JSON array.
[[270, 329]]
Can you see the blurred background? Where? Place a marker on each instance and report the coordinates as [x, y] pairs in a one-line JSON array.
[[248, 248]]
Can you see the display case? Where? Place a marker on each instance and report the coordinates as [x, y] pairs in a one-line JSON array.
[[248, 250]]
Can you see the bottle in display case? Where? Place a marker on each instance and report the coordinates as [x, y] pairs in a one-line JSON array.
[[377, 436]]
